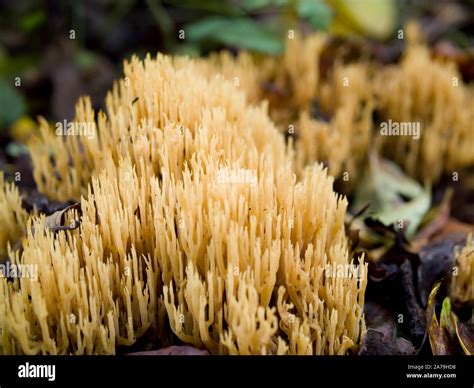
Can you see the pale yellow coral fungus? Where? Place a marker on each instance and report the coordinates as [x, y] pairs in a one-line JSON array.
[[420, 91], [342, 143], [290, 82], [462, 285], [192, 219], [13, 217], [94, 289], [424, 92], [143, 105]]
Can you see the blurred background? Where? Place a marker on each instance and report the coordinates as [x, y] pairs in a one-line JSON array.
[[52, 52]]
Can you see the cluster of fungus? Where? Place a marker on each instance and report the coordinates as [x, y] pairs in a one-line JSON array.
[[352, 101], [13, 217], [462, 285], [200, 224], [194, 228], [420, 89]]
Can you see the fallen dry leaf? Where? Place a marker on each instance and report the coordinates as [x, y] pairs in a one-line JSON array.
[[454, 230], [432, 321], [377, 343], [436, 260], [55, 222], [38, 202], [417, 320], [447, 337], [438, 218], [465, 336]]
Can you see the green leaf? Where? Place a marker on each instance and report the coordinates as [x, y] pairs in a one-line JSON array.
[[32, 20], [14, 66], [374, 18], [86, 59], [12, 104], [316, 12], [240, 32], [412, 211], [227, 8], [446, 318], [16, 150], [392, 196], [190, 49], [161, 16], [254, 5]]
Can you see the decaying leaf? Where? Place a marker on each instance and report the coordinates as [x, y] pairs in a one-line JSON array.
[[380, 319], [376, 343], [434, 221], [55, 222], [394, 198], [448, 336], [36, 201], [455, 231], [438, 337], [465, 335], [430, 311], [439, 341], [417, 321], [436, 259]]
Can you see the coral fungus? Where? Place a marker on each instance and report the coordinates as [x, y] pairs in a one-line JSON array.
[[421, 91], [199, 224], [12, 216], [462, 285], [193, 224]]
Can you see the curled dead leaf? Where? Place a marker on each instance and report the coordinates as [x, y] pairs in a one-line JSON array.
[[448, 336], [377, 343], [55, 222], [465, 335]]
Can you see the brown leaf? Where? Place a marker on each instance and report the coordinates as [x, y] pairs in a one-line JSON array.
[[55, 222], [379, 318], [454, 230], [377, 343], [36, 201], [442, 343], [439, 340], [417, 320], [436, 259], [465, 336], [439, 218]]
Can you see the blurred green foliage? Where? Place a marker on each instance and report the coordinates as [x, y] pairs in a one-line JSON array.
[[317, 13], [32, 20], [107, 31], [242, 32], [35, 33], [255, 25], [12, 103]]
